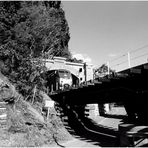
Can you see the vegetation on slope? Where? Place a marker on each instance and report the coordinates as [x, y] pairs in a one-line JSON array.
[[103, 71], [29, 32], [26, 125]]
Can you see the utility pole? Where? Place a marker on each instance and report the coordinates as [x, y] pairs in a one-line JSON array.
[[85, 71], [108, 68], [129, 62]]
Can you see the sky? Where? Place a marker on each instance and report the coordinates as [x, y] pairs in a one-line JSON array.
[[101, 31]]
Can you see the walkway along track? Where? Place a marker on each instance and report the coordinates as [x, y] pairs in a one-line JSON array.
[[85, 129]]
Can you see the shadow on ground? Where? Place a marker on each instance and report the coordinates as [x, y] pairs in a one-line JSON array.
[[87, 130], [115, 116]]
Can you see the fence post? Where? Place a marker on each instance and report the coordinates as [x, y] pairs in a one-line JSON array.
[[129, 62], [34, 94]]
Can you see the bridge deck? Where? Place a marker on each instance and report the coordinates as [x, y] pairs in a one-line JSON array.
[[120, 87]]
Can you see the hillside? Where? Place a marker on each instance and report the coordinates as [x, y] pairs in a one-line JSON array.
[[25, 125], [29, 30]]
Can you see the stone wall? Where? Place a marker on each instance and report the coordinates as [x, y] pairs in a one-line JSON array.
[[78, 69]]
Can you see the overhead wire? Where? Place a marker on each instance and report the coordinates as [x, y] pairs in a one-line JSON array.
[[126, 54], [139, 56], [137, 49]]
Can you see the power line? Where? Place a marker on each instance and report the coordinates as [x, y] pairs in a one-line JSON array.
[[131, 51], [139, 56], [138, 48], [119, 63], [118, 58]]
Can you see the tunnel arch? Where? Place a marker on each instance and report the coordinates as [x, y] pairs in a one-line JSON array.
[[75, 80], [72, 70]]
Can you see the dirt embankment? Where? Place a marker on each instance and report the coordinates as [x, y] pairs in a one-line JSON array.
[[25, 123]]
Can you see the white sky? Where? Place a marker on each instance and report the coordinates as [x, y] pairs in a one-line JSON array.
[[102, 30]]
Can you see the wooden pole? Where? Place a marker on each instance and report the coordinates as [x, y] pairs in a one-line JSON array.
[[48, 114], [108, 68]]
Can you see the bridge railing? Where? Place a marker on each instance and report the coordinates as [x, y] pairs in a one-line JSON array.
[[130, 59]]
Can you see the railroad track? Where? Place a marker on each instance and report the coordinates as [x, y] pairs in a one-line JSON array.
[[86, 129]]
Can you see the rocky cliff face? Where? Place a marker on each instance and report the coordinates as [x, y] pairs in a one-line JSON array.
[[7, 90]]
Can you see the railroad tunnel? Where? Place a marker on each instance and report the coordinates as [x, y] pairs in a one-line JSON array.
[[75, 80], [53, 82]]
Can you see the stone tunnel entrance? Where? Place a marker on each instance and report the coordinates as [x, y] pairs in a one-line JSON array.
[[75, 80]]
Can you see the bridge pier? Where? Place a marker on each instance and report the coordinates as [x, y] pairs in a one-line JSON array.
[[91, 110], [136, 109], [131, 111]]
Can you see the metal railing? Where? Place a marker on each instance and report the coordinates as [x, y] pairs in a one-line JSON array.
[[130, 59]]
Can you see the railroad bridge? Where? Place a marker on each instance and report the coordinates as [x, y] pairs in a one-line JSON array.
[[128, 86], [125, 86]]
